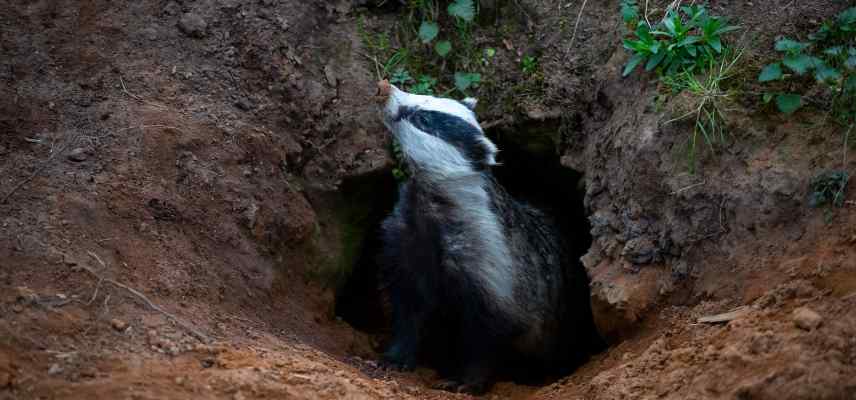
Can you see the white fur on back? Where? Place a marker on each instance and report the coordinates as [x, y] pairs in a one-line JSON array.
[[442, 165]]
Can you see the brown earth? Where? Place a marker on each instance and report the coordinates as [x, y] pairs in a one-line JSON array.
[[201, 155]]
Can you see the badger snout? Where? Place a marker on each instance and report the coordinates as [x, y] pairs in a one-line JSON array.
[[384, 89]]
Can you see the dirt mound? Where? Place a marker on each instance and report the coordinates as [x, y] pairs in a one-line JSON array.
[[183, 182]]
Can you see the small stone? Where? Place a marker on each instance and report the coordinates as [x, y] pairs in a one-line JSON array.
[[118, 324], [25, 295], [330, 75], [54, 370], [179, 380], [239, 396], [244, 104], [78, 155], [806, 318], [192, 24], [17, 308]]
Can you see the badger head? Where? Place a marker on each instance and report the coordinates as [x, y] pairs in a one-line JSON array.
[[439, 137]]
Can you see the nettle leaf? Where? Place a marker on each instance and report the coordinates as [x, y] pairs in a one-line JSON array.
[[465, 80], [428, 31], [463, 9], [443, 48], [799, 63], [788, 102], [824, 73], [771, 72], [632, 64], [790, 46]]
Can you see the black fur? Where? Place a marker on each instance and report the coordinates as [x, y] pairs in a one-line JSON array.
[[451, 129], [439, 306]]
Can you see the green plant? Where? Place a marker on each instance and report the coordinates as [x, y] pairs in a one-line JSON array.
[[434, 43], [465, 80], [630, 14], [686, 40], [529, 64], [828, 188], [707, 101], [424, 85], [829, 57], [399, 171]]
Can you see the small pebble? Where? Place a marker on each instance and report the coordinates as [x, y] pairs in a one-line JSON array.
[[54, 370], [118, 324], [78, 155], [806, 318], [192, 25]]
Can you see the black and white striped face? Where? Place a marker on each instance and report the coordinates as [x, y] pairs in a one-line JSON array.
[[437, 135]]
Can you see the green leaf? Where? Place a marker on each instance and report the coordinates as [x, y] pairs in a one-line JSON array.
[[632, 64], [824, 73], [428, 31], [716, 43], [463, 9], [834, 51], [847, 17], [464, 80], [654, 61], [629, 12], [767, 97], [689, 40], [726, 29], [799, 63], [788, 103], [400, 77], [443, 48], [790, 46], [770, 73], [489, 52], [850, 84]]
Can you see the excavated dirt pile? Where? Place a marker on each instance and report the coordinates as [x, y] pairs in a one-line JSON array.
[[190, 190]]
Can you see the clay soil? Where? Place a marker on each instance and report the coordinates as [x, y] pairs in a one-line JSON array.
[[171, 178]]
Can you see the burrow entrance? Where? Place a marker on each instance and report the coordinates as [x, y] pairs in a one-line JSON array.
[[530, 170]]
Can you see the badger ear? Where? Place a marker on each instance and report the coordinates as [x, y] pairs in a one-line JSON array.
[[490, 151], [470, 103]]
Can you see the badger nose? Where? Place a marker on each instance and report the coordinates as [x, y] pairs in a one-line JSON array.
[[383, 90]]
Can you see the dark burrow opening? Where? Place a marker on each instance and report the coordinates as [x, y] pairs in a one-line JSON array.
[[530, 171]]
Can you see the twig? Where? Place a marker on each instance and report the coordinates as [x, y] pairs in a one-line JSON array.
[[577, 24], [38, 170], [199, 335], [687, 188], [150, 126], [846, 137], [95, 293], [376, 64], [138, 98]]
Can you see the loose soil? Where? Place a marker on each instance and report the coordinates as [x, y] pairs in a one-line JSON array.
[[222, 161]]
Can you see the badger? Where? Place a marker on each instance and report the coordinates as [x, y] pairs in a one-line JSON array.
[[466, 266]]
